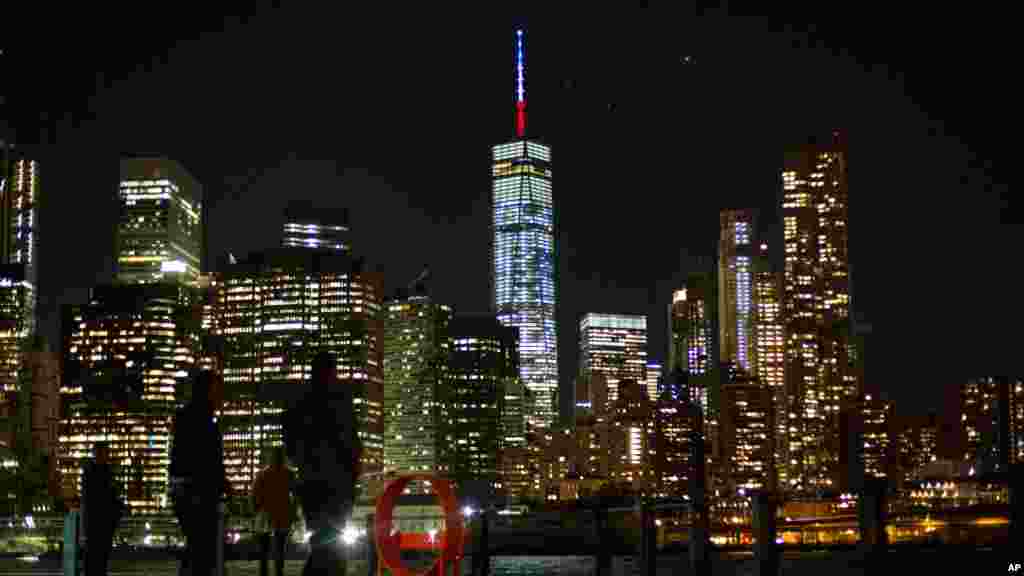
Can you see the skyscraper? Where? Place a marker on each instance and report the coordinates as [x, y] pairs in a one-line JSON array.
[[19, 256], [19, 224], [747, 441], [481, 361], [523, 252], [816, 306], [275, 311], [678, 357], [159, 233], [735, 288], [770, 344], [614, 345], [694, 317], [415, 361]]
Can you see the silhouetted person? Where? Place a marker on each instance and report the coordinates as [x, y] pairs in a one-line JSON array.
[[272, 499], [197, 475], [101, 510], [321, 439]]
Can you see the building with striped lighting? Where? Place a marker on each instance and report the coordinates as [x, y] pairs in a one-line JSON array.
[[523, 272]]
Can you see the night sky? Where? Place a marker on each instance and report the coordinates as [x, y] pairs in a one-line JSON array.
[[394, 120]]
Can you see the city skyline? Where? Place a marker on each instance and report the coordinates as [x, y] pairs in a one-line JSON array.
[[604, 275]]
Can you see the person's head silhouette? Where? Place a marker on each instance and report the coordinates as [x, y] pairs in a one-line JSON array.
[[324, 371], [202, 390], [101, 452]]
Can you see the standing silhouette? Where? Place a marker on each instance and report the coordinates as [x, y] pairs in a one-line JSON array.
[[272, 499], [321, 439], [197, 475], [101, 510]]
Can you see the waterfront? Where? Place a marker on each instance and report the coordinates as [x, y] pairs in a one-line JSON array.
[[833, 563]]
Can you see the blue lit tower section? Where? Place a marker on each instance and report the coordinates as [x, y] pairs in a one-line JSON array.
[[736, 290], [523, 254]]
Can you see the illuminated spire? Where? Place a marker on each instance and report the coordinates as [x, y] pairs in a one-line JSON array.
[[520, 85]]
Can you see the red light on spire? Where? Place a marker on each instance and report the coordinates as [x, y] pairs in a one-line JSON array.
[[521, 119]]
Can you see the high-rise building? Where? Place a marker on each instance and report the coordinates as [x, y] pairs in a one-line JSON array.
[[674, 420], [19, 261], [992, 422], [277, 310], [514, 456], [160, 230], [736, 288], [19, 213], [306, 227], [653, 379], [770, 369], [523, 253], [128, 354], [678, 331], [816, 305], [699, 306], [614, 345], [876, 415], [481, 361], [415, 361], [747, 433]]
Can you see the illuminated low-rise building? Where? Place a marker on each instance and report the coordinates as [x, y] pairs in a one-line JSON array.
[[127, 355], [275, 311]]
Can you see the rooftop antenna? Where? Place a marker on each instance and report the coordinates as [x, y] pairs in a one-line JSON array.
[[520, 84]]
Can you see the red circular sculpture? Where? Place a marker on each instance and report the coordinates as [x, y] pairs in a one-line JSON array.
[[388, 545]]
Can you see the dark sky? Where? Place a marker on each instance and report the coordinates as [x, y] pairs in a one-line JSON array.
[[394, 119]]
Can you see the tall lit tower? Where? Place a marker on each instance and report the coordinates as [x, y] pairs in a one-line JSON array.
[[735, 288], [523, 252], [816, 306]]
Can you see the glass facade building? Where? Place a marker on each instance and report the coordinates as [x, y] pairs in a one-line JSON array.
[[482, 360], [614, 345], [160, 228], [523, 265], [415, 361]]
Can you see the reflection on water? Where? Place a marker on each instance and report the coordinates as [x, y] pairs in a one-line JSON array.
[[537, 565]]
